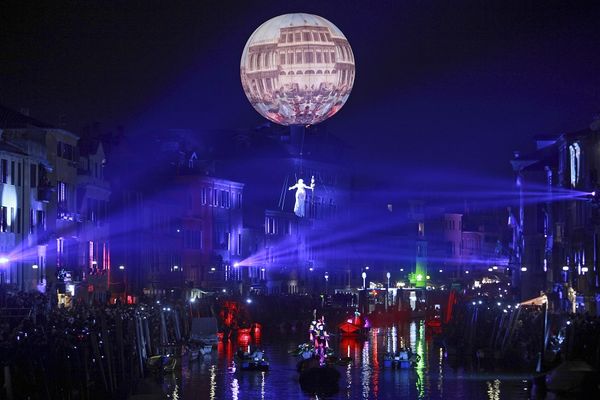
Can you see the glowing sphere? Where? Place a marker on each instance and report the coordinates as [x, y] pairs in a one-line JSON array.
[[297, 69]]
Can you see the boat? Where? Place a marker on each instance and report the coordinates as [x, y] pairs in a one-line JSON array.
[[196, 349], [318, 379], [204, 330], [402, 359], [316, 366], [354, 326], [162, 363], [254, 361]]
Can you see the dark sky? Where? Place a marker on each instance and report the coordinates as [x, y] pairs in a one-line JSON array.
[[439, 84]]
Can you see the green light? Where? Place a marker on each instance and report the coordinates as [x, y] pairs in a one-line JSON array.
[[419, 278]]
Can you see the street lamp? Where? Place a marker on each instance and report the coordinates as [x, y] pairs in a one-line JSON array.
[[387, 292], [326, 282], [364, 276]]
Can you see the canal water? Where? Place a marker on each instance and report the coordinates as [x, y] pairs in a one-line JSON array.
[[436, 376]]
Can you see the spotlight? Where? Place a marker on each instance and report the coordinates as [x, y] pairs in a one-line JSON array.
[[4, 260], [524, 269], [34, 266], [565, 268], [121, 267], [236, 264]]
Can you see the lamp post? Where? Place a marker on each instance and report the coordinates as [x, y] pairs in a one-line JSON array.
[[364, 276], [326, 282], [387, 291]]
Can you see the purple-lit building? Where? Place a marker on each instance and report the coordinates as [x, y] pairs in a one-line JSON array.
[[557, 235], [93, 195]]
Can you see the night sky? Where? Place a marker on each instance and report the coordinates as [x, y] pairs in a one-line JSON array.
[[439, 84]]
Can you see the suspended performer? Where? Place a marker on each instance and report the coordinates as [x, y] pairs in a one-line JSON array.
[[301, 195]]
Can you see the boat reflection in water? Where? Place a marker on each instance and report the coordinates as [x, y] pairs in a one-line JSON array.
[[434, 376]]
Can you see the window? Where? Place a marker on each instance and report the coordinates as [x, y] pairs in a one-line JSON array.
[[4, 219], [203, 196], [306, 36], [41, 220], [282, 59], [12, 219], [216, 198], [323, 38], [319, 57], [228, 240], [18, 220], [575, 158], [239, 200], [421, 229], [290, 38], [239, 244], [31, 220], [19, 175], [33, 175], [282, 38], [308, 56], [297, 37], [4, 171], [326, 57], [298, 58], [290, 58], [64, 150], [316, 37], [332, 57], [12, 173], [270, 226]]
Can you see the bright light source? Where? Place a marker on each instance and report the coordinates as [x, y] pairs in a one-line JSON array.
[[236, 264], [175, 267], [364, 275], [388, 275], [419, 277], [523, 269], [367, 268], [584, 269], [213, 269], [34, 266], [263, 269], [495, 267], [566, 268], [94, 262], [224, 290], [311, 269], [480, 301], [474, 303], [193, 299], [466, 272], [427, 277], [248, 301], [568, 322], [441, 270], [499, 304], [71, 289], [401, 269], [4, 260], [121, 267], [490, 269]]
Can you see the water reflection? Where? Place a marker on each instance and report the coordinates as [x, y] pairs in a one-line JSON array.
[[211, 377]]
